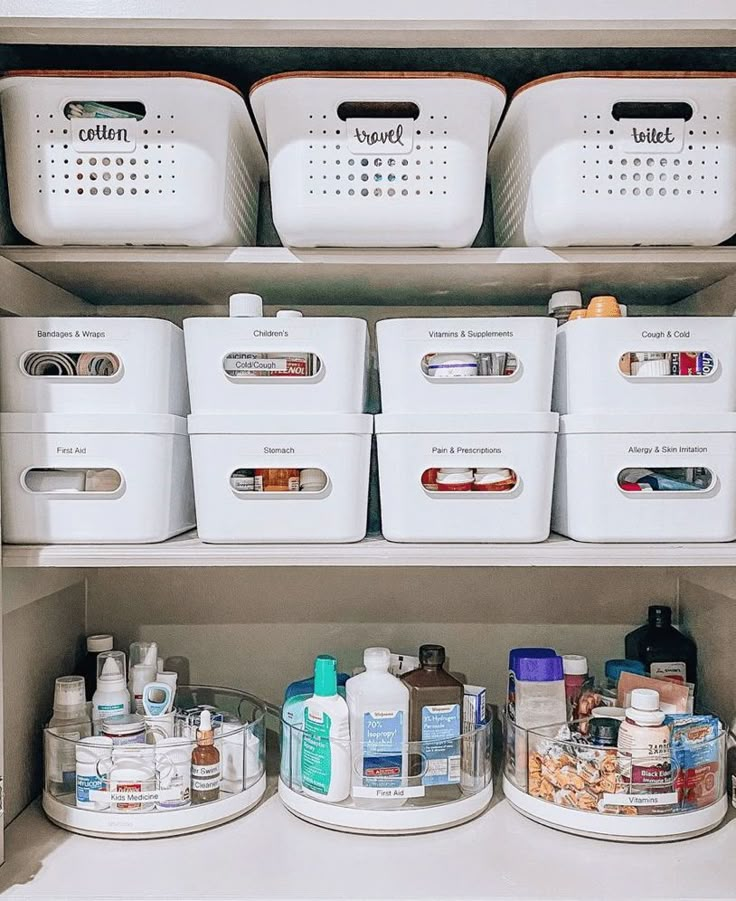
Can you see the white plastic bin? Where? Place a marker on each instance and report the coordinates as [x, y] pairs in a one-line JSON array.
[[597, 454], [327, 454], [412, 447], [283, 364], [660, 364], [81, 365], [617, 158], [182, 165], [94, 478], [377, 159], [466, 365]]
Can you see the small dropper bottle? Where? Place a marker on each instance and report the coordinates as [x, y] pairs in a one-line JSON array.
[[206, 766]]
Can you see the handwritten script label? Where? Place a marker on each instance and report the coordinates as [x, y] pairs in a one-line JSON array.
[[657, 135], [384, 136]]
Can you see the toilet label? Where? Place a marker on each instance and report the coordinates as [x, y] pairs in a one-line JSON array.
[[104, 135], [371, 136], [659, 135]]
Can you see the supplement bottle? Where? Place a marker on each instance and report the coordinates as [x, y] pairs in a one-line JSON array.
[[644, 746]]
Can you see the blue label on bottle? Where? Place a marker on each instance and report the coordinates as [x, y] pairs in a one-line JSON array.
[[87, 784], [383, 740], [441, 743]]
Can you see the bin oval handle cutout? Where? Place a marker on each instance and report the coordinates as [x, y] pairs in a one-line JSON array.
[[250, 365], [443, 367], [280, 482], [463, 481], [639, 480], [104, 109], [73, 481], [60, 364], [368, 109], [670, 364], [638, 109]]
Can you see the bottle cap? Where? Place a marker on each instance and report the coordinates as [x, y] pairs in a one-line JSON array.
[[111, 670], [579, 314], [289, 314], [539, 669], [432, 655], [574, 665], [603, 305], [205, 732], [660, 615], [603, 731], [246, 305], [97, 643], [564, 299], [69, 692], [325, 676], [377, 658], [614, 668], [644, 709]]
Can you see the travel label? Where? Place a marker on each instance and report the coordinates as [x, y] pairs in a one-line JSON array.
[[372, 136]]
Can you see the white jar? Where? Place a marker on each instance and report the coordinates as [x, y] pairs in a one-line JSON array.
[[452, 365], [453, 479], [132, 780], [91, 756], [174, 763]]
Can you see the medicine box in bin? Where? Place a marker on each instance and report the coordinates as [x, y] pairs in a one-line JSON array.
[[466, 477], [377, 159], [658, 364], [257, 364], [299, 478], [651, 477], [83, 364], [95, 478], [130, 158], [459, 365], [617, 158]]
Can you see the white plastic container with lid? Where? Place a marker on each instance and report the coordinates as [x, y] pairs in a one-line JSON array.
[[612, 166], [84, 364], [410, 445], [93, 756], [426, 365], [250, 363], [661, 364], [646, 477], [337, 444], [130, 158], [377, 159], [97, 478]]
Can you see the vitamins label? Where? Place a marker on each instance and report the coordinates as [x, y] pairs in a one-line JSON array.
[[441, 743], [665, 799], [383, 740], [642, 135], [372, 136], [205, 777], [316, 753]]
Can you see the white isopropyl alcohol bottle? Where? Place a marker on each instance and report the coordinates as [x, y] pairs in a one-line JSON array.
[[325, 754], [112, 697], [379, 719]]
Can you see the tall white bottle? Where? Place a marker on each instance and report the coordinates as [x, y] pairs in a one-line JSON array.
[[325, 752], [379, 721], [112, 697]]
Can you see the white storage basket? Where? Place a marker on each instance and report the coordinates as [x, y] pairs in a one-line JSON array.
[[599, 453], [377, 159], [96, 478], [466, 365], [617, 158], [229, 452], [660, 364], [187, 172], [283, 364], [410, 446], [81, 365]]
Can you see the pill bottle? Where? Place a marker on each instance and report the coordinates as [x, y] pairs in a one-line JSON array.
[[562, 304], [280, 479], [455, 479]]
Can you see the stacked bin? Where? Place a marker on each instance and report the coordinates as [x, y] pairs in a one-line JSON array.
[[647, 448], [93, 431], [466, 442], [280, 446]]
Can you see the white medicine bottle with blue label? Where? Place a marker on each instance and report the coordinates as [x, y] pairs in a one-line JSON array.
[[325, 750], [112, 697], [379, 721]]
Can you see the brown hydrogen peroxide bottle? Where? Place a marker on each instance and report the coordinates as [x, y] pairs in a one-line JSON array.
[[435, 718], [206, 765]]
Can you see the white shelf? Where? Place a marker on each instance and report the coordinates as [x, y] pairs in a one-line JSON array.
[[271, 854], [188, 550], [494, 276], [387, 23]]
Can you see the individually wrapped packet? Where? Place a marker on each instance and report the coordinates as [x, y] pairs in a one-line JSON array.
[[695, 759]]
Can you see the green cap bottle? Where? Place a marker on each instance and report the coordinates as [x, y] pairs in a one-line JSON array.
[[325, 676]]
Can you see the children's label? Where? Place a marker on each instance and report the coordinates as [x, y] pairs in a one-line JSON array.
[[104, 135], [659, 135], [371, 136], [399, 791], [133, 795], [441, 743], [383, 740], [665, 799], [206, 777], [316, 753], [676, 671]]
